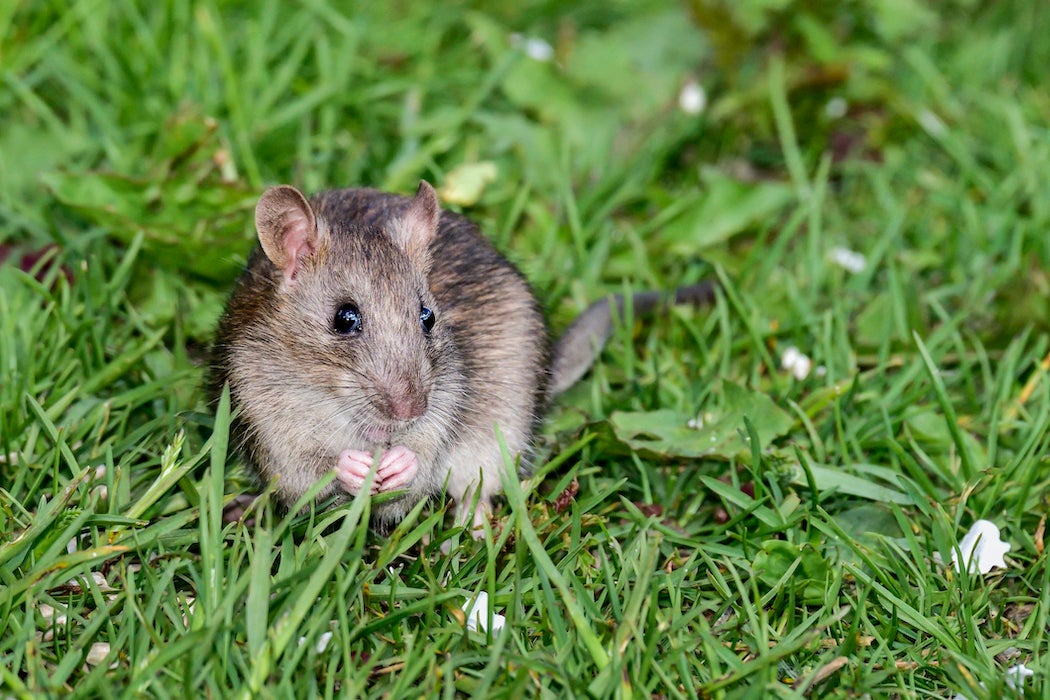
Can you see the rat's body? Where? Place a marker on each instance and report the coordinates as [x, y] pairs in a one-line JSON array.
[[372, 323]]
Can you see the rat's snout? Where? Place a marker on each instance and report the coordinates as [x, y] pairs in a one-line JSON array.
[[407, 406], [405, 402]]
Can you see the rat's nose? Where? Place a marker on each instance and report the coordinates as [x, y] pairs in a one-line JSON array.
[[406, 405]]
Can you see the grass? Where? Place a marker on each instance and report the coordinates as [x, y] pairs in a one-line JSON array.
[[791, 545]]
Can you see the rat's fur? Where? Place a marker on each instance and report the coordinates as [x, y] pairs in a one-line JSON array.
[[305, 393]]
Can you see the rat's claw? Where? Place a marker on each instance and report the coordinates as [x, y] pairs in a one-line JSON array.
[[397, 468], [352, 470]]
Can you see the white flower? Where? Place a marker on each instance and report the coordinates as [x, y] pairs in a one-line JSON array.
[[538, 49], [981, 548], [847, 259], [478, 614], [836, 108], [1015, 676], [796, 362], [693, 98], [535, 48]]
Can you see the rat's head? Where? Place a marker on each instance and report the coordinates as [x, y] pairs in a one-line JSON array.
[[354, 305]]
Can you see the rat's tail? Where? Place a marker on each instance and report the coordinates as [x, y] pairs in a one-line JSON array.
[[577, 348]]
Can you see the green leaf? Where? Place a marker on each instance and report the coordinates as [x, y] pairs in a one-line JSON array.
[[841, 481], [726, 208], [465, 183], [935, 433], [184, 201], [867, 523], [667, 433], [802, 569]]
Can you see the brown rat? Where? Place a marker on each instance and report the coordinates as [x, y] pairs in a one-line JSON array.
[[369, 323]]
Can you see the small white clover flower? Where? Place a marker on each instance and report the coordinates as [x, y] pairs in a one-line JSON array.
[[849, 260], [693, 98], [796, 362], [836, 108], [535, 48], [981, 548], [538, 50], [478, 614]]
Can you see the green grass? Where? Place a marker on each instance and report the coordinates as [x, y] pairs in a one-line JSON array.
[[790, 546]]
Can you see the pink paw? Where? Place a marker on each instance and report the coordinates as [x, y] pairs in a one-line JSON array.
[[397, 468], [352, 470]]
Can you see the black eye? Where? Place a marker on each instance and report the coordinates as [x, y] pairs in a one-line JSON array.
[[347, 320], [426, 318]]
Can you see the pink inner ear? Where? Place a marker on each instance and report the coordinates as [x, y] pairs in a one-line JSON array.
[[287, 228], [298, 240], [420, 222]]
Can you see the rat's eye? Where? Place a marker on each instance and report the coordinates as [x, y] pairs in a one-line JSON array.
[[426, 318], [347, 320]]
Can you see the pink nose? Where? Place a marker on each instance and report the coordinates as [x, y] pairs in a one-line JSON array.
[[407, 406]]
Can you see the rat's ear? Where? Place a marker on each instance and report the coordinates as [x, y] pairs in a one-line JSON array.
[[287, 228], [419, 223]]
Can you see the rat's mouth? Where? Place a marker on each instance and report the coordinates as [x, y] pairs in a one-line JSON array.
[[382, 432], [377, 433]]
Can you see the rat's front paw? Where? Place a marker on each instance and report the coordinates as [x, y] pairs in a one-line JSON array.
[[397, 468], [353, 468]]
